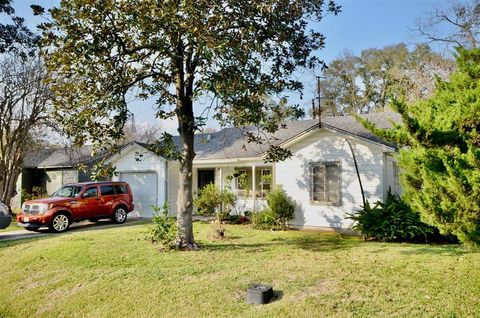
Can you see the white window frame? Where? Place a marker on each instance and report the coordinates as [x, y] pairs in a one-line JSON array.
[[241, 192], [263, 192]]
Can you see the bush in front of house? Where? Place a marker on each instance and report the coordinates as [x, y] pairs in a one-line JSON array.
[[164, 228], [280, 210], [36, 193], [238, 218], [264, 220], [391, 221], [213, 201]]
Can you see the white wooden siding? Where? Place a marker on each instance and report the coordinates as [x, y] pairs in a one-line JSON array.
[[127, 161], [172, 186], [293, 174]]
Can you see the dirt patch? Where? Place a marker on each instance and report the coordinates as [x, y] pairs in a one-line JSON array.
[[56, 296], [320, 288]]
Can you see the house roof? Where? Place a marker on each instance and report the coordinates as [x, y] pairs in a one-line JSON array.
[[59, 157], [230, 142], [350, 125]]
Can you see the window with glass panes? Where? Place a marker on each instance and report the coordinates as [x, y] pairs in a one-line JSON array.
[[325, 182], [265, 181]]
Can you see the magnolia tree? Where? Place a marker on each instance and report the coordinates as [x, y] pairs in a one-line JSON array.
[[99, 53]]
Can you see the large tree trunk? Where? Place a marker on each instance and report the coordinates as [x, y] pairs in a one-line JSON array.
[[186, 129], [185, 238]]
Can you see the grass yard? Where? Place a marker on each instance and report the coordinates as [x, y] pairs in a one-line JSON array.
[[116, 273], [12, 227]]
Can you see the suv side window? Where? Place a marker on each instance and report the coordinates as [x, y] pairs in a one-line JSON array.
[[107, 190], [121, 189], [91, 193]]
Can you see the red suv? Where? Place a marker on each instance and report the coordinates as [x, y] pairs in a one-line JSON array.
[[76, 202]]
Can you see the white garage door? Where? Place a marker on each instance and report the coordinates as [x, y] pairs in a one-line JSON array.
[[144, 189]]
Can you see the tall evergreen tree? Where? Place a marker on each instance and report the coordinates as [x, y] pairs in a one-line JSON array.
[[440, 157]]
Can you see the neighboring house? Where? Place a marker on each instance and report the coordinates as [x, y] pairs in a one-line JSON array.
[[320, 176], [48, 169]]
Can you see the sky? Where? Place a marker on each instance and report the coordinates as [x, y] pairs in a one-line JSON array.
[[362, 24]]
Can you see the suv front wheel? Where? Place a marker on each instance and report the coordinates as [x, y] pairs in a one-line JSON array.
[[119, 216], [59, 223]]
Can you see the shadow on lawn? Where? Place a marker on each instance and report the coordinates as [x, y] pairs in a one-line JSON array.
[[314, 244], [440, 249]]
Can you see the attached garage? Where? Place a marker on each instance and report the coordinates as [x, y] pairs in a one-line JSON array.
[[145, 172], [144, 189]]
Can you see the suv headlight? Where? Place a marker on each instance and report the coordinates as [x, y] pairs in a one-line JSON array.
[[43, 208]]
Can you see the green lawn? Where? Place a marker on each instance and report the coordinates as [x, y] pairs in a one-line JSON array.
[[116, 273]]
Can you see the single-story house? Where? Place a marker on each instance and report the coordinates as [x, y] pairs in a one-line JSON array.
[[46, 170], [321, 176]]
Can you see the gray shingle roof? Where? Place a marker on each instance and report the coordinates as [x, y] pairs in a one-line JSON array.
[[350, 125], [230, 143], [56, 158]]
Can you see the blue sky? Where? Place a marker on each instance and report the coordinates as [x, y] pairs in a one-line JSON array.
[[362, 24]]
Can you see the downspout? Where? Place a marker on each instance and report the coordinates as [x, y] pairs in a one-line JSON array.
[[356, 169]]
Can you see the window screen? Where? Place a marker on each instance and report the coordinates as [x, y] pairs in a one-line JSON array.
[[325, 183]]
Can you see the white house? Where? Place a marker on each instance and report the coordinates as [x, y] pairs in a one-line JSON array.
[[321, 176]]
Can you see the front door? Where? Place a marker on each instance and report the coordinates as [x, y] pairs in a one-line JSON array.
[[205, 176]]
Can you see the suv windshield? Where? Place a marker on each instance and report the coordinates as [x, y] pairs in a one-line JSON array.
[[67, 192]]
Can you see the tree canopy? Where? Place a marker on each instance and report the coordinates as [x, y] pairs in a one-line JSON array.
[[368, 82], [100, 53], [440, 155], [457, 25]]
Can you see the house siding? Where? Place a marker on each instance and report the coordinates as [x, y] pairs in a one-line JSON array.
[[325, 146], [172, 186], [138, 159], [58, 177]]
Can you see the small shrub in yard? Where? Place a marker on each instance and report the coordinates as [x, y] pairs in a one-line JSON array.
[[164, 228], [213, 201], [393, 220], [281, 209], [264, 220], [237, 219]]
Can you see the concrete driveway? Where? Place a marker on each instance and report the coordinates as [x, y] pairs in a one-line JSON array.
[[75, 227]]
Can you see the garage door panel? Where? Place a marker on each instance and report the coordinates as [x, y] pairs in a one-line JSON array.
[[144, 189]]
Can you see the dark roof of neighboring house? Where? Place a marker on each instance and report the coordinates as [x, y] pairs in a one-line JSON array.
[[230, 142], [59, 157]]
